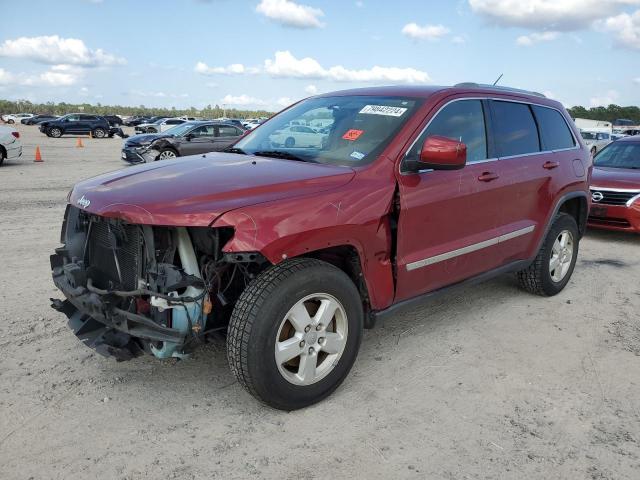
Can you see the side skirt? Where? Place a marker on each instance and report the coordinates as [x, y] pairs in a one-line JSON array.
[[420, 299]]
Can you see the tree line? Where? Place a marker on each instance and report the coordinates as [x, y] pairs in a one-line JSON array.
[[607, 114], [62, 108]]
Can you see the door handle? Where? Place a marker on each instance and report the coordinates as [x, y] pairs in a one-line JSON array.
[[488, 176], [549, 165]]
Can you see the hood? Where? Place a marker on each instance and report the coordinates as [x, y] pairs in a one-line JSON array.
[[144, 139], [194, 191], [607, 177]]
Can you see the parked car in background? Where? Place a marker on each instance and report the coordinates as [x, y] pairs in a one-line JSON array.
[[297, 136], [159, 126], [136, 120], [295, 250], [615, 187], [251, 124], [236, 122], [15, 118], [10, 144], [114, 120], [37, 119], [189, 138], [76, 123], [596, 141]]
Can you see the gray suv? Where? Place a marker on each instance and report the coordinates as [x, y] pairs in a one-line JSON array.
[[189, 138]]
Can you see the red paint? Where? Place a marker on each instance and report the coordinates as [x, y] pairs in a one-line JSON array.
[[285, 209], [352, 135]]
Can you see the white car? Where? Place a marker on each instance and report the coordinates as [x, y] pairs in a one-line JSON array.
[[16, 117], [10, 144], [159, 126], [297, 136], [595, 141]]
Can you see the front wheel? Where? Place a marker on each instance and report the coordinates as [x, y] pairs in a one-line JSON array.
[[167, 154], [551, 270], [10, 122], [98, 133], [295, 332], [55, 132]]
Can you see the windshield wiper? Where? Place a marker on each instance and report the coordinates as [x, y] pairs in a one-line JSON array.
[[281, 154], [234, 150]]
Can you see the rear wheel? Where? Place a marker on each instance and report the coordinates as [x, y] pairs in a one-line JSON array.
[[55, 132], [551, 270], [295, 332], [11, 121], [98, 133]]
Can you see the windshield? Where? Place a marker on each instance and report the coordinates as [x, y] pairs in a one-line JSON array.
[[588, 135], [181, 129], [619, 155], [349, 131]]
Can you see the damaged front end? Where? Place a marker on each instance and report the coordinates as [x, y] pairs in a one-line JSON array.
[[137, 288]]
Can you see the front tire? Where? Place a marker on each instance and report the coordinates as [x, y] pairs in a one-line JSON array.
[[55, 132], [10, 122], [295, 332], [551, 270], [167, 154], [290, 142], [98, 133], [2, 156]]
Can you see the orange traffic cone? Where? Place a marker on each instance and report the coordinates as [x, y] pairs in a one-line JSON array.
[[38, 156], [79, 143]]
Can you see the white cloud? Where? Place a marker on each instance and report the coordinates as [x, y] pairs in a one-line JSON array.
[[637, 80], [56, 76], [241, 100], [625, 29], [459, 40], [291, 14], [157, 94], [284, 101], [286, 65], [56, 50], [561, 15], [605, 100], [536, 37], [359, 4], [233, 69], [311, 89], [426, 32]]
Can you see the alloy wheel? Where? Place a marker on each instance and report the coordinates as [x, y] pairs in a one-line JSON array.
[[311, 339], [561, 256], [167, 154]]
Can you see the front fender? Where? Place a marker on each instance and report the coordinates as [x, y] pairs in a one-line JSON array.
[[354, 215]]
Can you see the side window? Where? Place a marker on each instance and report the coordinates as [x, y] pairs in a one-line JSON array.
[[227, 131], [462, 120], [554, 131], [203, 131], [73, 118], [515, 129]]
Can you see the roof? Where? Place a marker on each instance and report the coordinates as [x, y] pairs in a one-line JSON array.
[[631, 139]]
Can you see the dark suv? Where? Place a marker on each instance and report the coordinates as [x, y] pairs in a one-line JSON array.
[[190, 138], [76, 123], [295, 249]]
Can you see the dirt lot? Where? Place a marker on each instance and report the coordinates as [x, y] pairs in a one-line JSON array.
[[486, 382]]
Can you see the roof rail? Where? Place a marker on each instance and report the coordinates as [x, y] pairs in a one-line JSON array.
[[497, 87]]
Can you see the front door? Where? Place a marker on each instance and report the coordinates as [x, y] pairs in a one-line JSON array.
[[449, 223]]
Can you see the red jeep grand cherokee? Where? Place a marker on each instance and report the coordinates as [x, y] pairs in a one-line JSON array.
[[294, 247], [615, 187]]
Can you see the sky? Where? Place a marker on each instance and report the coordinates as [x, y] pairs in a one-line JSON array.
[[269, 53]]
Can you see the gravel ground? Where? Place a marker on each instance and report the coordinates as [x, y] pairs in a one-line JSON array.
[[485, 382]]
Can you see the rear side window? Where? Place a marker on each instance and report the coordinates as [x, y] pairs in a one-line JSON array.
[[515, 129], [554, 131], [462, 120]]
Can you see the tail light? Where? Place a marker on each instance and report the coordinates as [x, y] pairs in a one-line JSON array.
[[16, 134]]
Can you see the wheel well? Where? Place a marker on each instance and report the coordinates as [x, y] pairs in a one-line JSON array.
[[577, 207], [4, 151], [346, 258]]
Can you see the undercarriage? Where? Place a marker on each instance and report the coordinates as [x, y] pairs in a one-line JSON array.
[[132, 289]]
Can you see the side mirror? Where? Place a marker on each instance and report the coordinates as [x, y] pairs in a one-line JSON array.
[[442, 153], [188, 137]]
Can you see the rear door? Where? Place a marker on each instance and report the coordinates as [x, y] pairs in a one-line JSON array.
[[526, 137], [449, 223], [226, 135]]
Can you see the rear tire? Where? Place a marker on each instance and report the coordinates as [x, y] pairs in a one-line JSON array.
[[553, 266], [277, 329]]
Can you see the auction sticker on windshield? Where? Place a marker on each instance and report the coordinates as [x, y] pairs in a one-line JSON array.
[[352, 134], [383, 110]]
